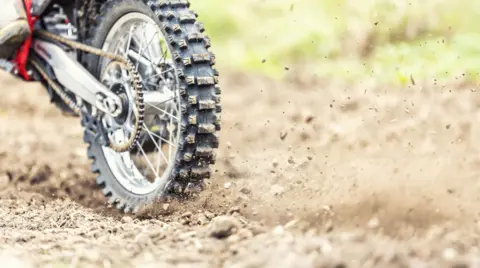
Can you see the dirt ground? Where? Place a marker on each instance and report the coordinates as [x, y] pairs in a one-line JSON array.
[[308, 175]]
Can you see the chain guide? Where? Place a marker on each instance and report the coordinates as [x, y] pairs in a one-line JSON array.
[[136, 84]]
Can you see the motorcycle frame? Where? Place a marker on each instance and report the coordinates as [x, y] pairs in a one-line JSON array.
[[21, 58], [23, 53]]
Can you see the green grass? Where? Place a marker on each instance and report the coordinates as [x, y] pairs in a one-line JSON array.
[[387, 40]]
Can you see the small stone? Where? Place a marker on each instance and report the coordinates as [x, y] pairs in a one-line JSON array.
[[165, 206], [283, 135], [223, 226], [227, 185], [291, 161], [245, 191], [229, 145], [309, 158]]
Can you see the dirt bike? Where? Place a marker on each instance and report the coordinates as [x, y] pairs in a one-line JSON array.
[[141, 78]]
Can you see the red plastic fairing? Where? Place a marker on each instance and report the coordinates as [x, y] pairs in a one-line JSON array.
[[22, 54]]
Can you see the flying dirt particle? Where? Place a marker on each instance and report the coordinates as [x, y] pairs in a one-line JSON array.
[[450, 191], [309, 118], [376, 23], [287, 69], [447, 126], [276, 189], [309, 158], [264, 60], [274, 163], [373, 223], [291, 7], [223, 226], [283, 135], [165, 206], [229, 145], [227, 185], [412, 80], [291, 161]]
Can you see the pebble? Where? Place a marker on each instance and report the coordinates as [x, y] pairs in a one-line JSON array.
[[245, 191], [223, 226], [227, 185]]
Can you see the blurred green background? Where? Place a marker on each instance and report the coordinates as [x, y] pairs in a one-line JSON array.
[[384, 40]]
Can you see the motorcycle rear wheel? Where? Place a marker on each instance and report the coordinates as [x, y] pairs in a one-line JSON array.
[[180, 135]]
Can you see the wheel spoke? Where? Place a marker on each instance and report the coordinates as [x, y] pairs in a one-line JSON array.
[[163, 111], [154, 142], [129, 41], [148, 160], [158, 74], [170, 139]]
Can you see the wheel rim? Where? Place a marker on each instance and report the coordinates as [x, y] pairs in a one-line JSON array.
[[138, 37]]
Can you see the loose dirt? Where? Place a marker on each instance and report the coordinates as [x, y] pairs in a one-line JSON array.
[[308, 175]]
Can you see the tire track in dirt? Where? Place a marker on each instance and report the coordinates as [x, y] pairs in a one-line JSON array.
[[319, 159]]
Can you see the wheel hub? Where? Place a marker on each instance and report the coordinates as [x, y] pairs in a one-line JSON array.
[[120, 91]]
